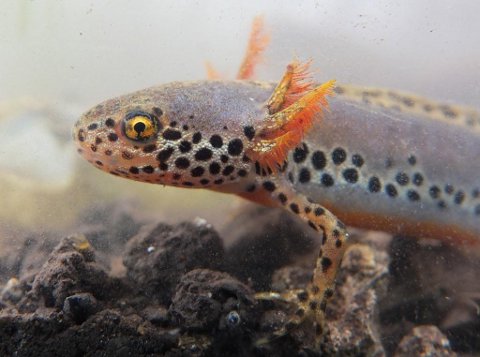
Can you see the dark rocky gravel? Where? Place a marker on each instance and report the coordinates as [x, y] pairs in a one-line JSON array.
[[179, 292]]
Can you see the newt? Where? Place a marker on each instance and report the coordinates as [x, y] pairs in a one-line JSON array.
[[333, 155]]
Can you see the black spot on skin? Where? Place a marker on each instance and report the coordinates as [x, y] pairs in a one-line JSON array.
[[112, 137], [304, 175], [245, 158], [177, 176], [300, 312], [307, 210], [417, 179], [374, 184], [216, 141], [108, 152], [428, 108], [197, 171], [249, 132], [93, 148], [98, 140], [81, 135], [235, 147], [441, 204], [214, 168], [449, 189], [127, 155], [326, 264], [185, 146], [134, 170], [203, 154], [319, 211], [391, 190], [319, 161], [163, 166], [99, 163], [170, 134], [412, 160], [312, 225], [269, 186], [224, 159], [327, 180], [187, 183], [290, 177], [350, 175], [283, 198], [182, 163], [92, 126], [300, 154], [328, 293], [149, 148], [302, 296], [110, 123], [251, 188], [294, 207], [148, 169], [434, 192], [339, 155], [218, 182], [157, 111], [408, 102], [338, 243], [459, 197], [242, 173], [173, 124], [477, 210], [185, 127], [447, 111], [402, 178], [204, 182], [413, 195], [165, 154], [357, 160], [228, 170], [196, 138]]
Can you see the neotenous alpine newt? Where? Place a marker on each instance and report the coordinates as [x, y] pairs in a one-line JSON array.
[[375, 158]]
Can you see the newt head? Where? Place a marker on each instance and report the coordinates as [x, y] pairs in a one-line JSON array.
[[188, 134]]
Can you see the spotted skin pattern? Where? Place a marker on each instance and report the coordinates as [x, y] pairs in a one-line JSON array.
[[376, 159]]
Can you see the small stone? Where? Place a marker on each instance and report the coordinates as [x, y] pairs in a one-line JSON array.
[[80, 306], [157, 257], [204, 299], [425, 341]]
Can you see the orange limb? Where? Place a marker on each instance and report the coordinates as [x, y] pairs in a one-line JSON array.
[[256, 46], [284, 130]]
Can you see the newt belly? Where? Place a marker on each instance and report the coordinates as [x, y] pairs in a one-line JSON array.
[[373, 158]]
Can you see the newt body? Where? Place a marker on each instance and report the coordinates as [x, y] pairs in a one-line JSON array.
[[376, 159], [377, 167]]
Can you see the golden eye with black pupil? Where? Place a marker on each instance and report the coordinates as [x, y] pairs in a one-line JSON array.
[[140, 126]]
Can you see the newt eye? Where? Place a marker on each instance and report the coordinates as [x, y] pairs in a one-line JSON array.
[[140, 126]]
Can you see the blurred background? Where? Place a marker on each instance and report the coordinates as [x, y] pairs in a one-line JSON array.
[[59, 58]]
